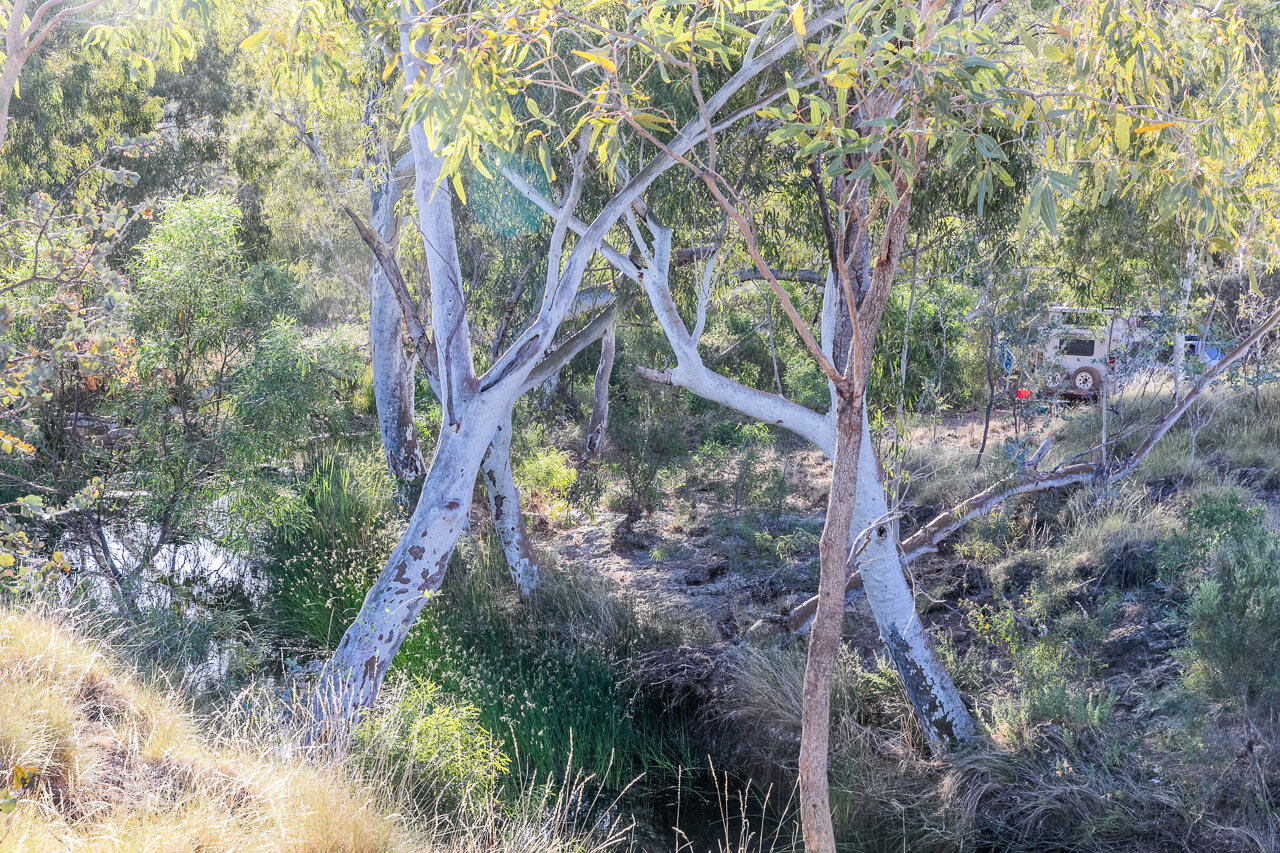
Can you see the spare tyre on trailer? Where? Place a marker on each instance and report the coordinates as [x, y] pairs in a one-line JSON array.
[[1086, 381]]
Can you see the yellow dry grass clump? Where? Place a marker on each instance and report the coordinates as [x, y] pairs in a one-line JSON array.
[[110, 765]]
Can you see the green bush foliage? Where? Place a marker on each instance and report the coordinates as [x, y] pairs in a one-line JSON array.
[[431, 747], [1234, 612]]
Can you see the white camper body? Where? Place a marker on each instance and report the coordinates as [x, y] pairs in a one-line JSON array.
[[1090, 344], [1085, 343]]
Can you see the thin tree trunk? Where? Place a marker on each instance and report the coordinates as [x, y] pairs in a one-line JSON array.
[[16, 55], [508, 520], [991, 395], [599, 422], [824, 636], [393, 386], [1179, 333], [6, 95]]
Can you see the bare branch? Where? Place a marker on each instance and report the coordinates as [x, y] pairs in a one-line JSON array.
[[386, 257]]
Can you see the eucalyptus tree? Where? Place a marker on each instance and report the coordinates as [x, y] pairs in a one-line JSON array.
[[142, 34], [876, 103], [459, 74], [333, 69]]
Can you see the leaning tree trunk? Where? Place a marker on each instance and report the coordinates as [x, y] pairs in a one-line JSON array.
[[412, 573], [473, 407], [393, 387], [933, 695], [935, 698], [508, 520]]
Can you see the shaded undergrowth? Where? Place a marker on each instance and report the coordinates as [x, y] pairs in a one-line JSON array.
[[548, 675]]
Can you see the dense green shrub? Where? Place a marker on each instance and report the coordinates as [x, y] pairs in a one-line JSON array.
[[1234, 622]]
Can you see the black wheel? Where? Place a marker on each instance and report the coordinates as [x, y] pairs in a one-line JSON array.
[[1086, 380]]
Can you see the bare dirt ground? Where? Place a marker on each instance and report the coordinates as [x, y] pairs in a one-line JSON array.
[[701, 570]]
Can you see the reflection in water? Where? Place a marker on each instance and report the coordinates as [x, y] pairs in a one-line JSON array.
[[123, 567]]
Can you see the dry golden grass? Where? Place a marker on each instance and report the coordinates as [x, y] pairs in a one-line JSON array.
[[119, 767]]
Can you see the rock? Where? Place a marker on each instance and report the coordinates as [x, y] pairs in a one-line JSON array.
[[704, 573]]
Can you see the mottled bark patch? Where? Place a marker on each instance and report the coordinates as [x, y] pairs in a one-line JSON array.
[[416, 551], [401, 575], [431, 580], [932, 716], [370, 673]]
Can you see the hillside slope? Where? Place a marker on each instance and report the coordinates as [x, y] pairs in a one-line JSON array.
[[100, 762]]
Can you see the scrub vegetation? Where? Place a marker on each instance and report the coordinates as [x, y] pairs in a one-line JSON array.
[[666, 426]]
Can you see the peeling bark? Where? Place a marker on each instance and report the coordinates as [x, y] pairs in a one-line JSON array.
[[824, 638]]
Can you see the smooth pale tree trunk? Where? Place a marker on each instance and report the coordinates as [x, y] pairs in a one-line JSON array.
[[8, 80], [599, 422], [939, 709], [473, 407], [394, 395], [508, 520], [469, 421], [393, 386], [413, 572], [1179, 333]]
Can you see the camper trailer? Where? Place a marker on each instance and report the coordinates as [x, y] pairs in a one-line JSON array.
[[1085, 342], [1090, 344]]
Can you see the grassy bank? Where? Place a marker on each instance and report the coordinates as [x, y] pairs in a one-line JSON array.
[[98, 761]]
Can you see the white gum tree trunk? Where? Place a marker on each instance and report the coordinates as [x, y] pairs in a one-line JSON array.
[[393, 386], [504, 504], [413, 572], [937, 703]]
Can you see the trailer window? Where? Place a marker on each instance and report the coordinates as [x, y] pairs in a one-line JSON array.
[[1078, 346]]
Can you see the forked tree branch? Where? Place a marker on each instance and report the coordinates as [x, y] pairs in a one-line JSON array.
[[423, 346]]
